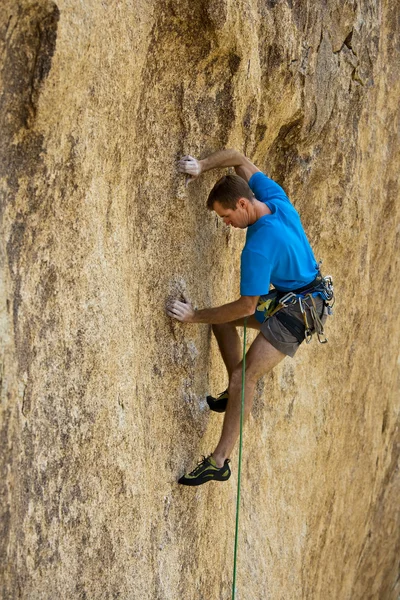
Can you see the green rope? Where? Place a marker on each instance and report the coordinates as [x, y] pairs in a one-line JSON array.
[[240, 463]]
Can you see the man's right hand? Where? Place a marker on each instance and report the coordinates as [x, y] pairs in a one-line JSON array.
[[190, 166]]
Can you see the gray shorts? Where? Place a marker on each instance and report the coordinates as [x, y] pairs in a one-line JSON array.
[[277, 334]]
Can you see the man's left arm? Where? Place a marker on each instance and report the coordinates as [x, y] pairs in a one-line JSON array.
[[184, 311]]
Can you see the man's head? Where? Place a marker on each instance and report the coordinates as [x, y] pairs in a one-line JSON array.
[[230, 198]]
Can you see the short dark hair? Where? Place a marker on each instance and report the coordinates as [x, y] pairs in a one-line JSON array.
[[227, 192]]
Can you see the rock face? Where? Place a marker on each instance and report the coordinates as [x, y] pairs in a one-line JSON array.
[[102, 396]]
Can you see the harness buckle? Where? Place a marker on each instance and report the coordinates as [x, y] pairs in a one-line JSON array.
[[289, 298]]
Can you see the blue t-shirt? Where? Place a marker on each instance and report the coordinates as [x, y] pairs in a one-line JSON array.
[[277, 250]]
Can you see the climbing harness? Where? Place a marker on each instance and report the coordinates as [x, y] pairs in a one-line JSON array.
[[240, 462], [272, 304]]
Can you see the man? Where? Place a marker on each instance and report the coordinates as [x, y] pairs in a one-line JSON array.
[[276, 251]]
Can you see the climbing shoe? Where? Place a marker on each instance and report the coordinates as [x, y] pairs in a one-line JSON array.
[[218, 404], [206, 470]]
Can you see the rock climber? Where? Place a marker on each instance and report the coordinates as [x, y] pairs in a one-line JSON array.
[[276, 252]]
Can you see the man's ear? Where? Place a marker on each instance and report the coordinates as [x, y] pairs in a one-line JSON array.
[[242, 202]]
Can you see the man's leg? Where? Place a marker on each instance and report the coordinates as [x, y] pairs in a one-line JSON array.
[[261, 358], [229, 341]]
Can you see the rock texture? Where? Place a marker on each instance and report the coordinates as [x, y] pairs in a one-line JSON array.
[[102, 397]]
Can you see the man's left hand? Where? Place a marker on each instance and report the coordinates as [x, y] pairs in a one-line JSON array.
[[182, 311], [191, 167]]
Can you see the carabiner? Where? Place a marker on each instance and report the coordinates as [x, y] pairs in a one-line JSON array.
[[289, 298], [308, 336], [322, 337]]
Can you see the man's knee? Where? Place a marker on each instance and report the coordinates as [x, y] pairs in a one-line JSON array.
[[216, 328], [221, 327], [237, 375], [252, 375]]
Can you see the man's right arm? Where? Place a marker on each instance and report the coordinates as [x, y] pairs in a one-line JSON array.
[[220, 159]]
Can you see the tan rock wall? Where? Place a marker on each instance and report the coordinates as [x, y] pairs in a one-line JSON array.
[[102, 397]]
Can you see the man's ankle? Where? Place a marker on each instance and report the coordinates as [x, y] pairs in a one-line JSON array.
[[219, 460]]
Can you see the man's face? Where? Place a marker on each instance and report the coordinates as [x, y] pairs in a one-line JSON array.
[[237, 218]]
